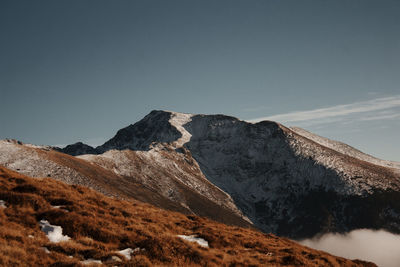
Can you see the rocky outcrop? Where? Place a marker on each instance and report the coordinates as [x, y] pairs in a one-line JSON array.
[[76, 149]]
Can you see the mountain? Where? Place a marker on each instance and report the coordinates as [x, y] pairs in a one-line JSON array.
[[44, 222], [282, 180]]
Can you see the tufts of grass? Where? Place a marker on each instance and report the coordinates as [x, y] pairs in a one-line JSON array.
[[100, 226]]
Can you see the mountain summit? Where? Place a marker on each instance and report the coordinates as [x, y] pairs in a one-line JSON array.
[[283, 180]]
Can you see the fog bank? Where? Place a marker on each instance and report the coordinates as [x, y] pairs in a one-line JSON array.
[[380, 247]]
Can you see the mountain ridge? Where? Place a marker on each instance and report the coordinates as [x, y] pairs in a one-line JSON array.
[[269, 174]]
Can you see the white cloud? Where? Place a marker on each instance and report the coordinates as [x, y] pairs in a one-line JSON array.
[[341, 112], [380, 247]]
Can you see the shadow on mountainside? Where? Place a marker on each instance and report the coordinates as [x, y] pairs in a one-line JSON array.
[[294, 196]]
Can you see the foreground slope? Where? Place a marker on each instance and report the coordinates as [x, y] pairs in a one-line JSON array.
[[100, 229]]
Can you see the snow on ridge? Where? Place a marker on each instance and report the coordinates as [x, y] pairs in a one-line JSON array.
[[178, 120], [192, 238], [345, 149], [53, 232]]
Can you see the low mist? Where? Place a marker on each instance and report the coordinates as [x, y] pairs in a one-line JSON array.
[[380, 247]]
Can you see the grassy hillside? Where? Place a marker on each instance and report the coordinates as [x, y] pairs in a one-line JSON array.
[[99, 227]]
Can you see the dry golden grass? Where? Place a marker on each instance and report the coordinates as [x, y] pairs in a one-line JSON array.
[[100, 226]]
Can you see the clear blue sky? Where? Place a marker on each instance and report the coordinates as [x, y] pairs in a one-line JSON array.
[[80, 70]]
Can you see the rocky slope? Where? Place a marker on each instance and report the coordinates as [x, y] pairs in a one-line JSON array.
[[157, 177], [44, 222], [285, 181]]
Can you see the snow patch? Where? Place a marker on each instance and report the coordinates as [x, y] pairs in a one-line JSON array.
[[53, 232], [91, 261], [178, 120], [3, 204], [128, 252], [192, 238]]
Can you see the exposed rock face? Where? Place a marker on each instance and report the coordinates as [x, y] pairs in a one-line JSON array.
[[155, 127], [286, 181]]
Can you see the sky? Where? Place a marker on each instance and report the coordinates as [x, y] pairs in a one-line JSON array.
[[79, 70]]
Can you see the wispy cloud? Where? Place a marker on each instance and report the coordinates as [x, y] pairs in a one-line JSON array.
[[382, 117], [334, 113]]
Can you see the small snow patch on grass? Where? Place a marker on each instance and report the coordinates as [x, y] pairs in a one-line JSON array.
[[53, 232], [192, 238], [127, 253], [91, 261]]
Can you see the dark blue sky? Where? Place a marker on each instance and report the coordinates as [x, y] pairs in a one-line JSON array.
[[80, 70]]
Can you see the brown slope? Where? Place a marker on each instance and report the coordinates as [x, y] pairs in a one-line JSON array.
[[175, 175], [109, 183], [99, 226], [141, 185], [129, 187]]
